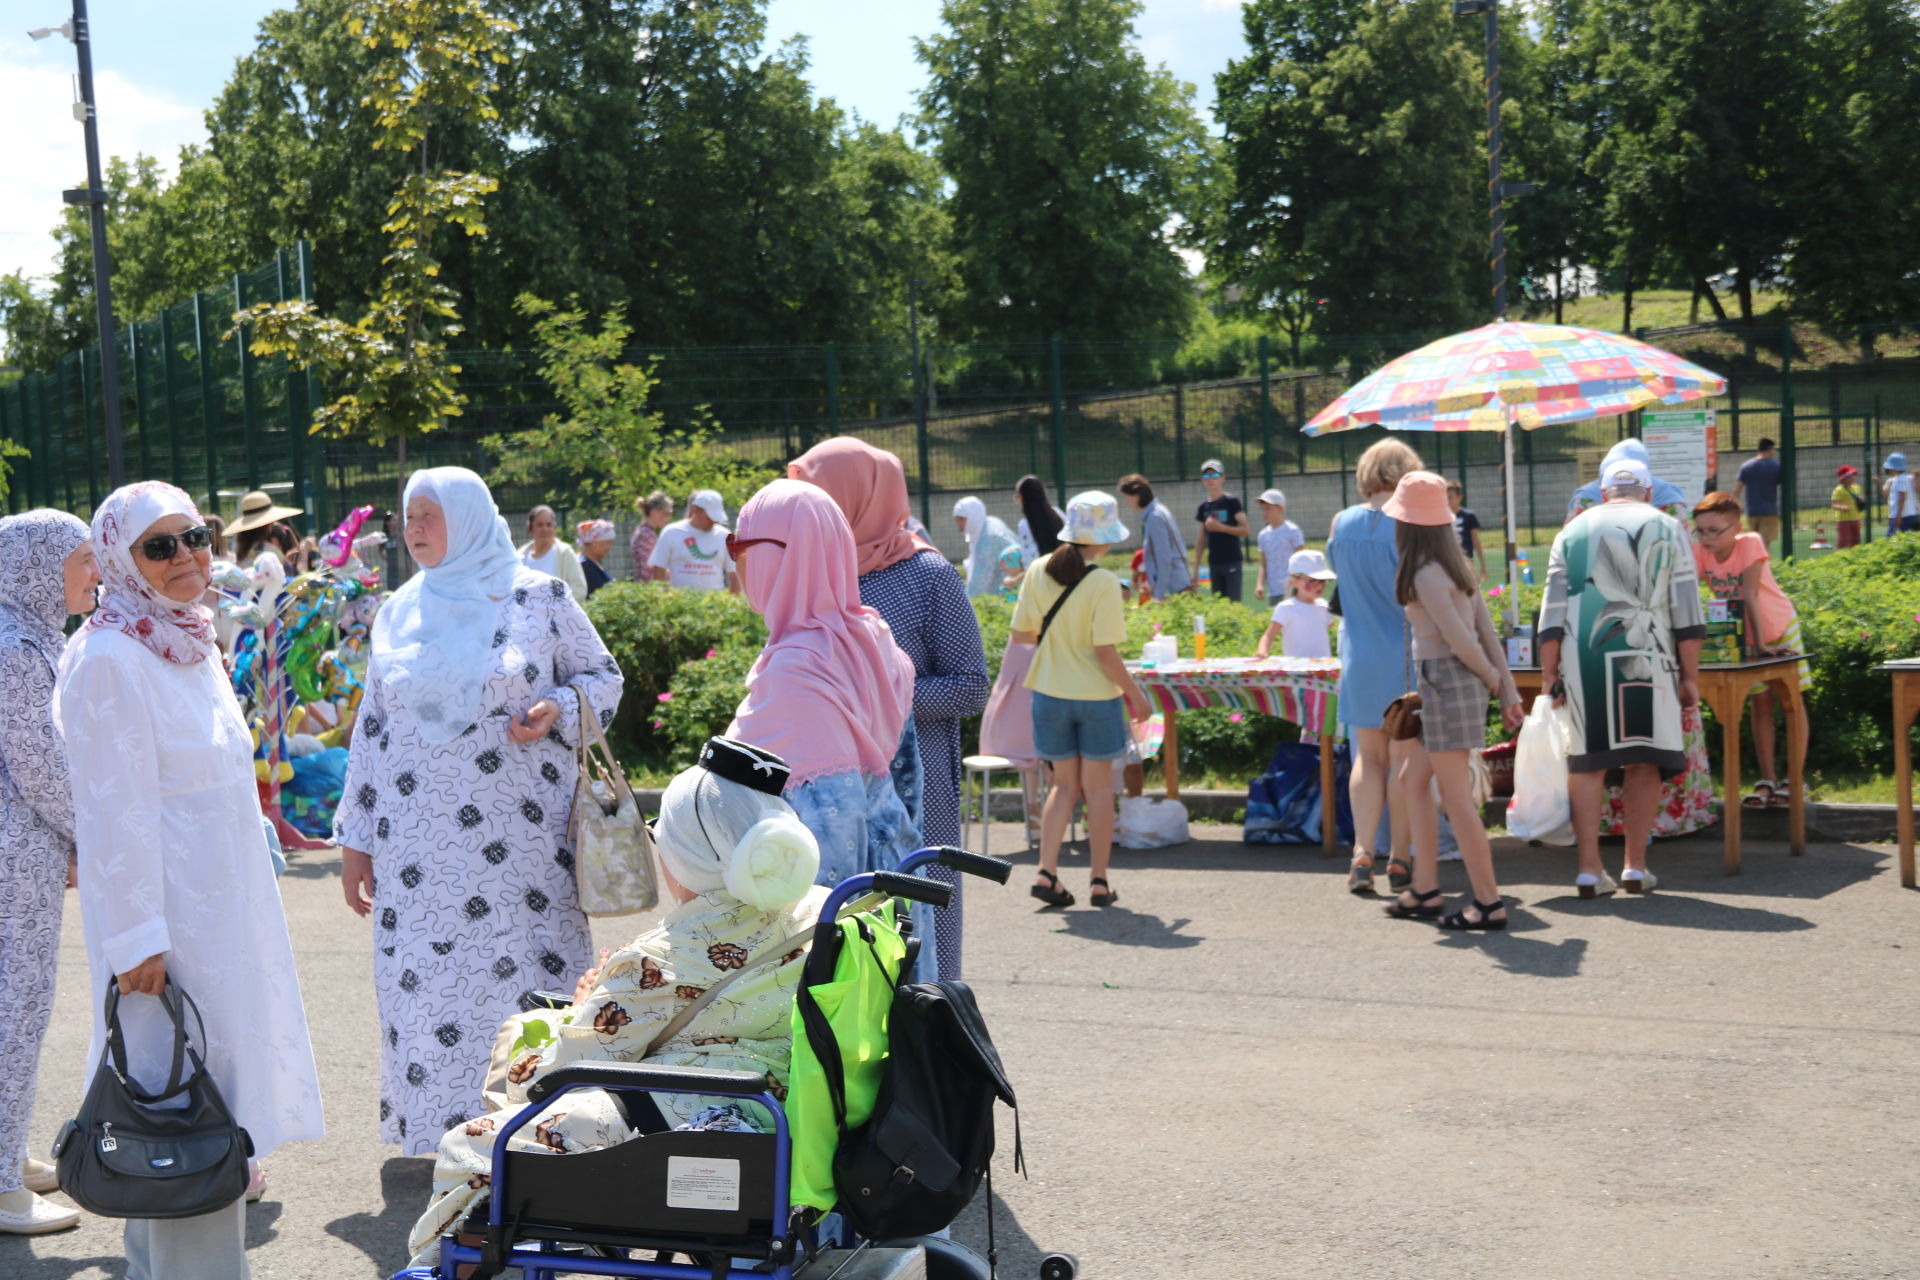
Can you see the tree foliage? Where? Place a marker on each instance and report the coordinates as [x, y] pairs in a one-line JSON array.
[[1357, 166], [608, 447], [1068, 157], [434, 62]]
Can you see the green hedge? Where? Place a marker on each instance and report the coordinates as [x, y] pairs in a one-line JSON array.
[[1858, 608], [686, 656]]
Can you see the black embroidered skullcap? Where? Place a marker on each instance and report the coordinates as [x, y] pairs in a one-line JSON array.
[[745, 764]]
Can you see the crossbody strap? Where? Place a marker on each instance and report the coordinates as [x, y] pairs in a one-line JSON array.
[[712, 993], [1047, 621]]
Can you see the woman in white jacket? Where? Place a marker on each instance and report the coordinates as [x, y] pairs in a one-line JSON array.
[[174, 876], [547, 554]]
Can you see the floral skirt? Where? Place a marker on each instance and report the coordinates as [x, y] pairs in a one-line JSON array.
[[1686, 801]]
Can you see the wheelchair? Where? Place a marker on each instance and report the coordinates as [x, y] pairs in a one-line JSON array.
[[719, 1198]]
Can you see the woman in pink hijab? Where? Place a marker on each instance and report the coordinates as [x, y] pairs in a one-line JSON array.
[[924, 601], [831, 692]]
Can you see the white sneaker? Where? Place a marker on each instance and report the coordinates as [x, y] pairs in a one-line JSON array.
[[1595, 886], [37, 1218], [38, 1175]]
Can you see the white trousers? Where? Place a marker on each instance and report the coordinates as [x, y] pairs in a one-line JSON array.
[[210, 1247]]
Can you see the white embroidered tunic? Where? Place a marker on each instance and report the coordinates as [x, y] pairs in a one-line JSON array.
[[173, 861]]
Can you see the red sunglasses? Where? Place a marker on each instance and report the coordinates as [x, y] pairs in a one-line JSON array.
[[736, 545]]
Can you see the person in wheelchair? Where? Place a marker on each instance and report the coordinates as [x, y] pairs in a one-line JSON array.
[[740, 866]]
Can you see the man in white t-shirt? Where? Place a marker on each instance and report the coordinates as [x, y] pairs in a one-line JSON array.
[[693, 552]]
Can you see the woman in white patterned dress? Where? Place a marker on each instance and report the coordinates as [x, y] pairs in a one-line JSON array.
[[46, 574], [453, 818], [175, 879]]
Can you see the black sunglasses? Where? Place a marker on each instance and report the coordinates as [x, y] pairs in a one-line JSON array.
[[162, 546]]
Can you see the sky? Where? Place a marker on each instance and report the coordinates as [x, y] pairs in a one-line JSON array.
[[158, 64]]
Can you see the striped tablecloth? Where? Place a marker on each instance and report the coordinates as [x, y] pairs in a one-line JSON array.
[[1303, 690]]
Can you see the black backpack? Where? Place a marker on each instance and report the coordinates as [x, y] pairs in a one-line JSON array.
[[916, 1162]]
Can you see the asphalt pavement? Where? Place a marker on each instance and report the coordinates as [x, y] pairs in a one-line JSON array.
[[1241, 1070]]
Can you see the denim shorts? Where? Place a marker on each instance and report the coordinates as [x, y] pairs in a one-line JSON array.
[[1067, 727]]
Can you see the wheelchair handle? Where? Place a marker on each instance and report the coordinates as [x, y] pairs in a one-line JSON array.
[[648, 1078], [918, 888], [983, 865]]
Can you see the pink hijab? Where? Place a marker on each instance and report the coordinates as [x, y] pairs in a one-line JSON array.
[[831, 692], [870, 487], [180, 633]]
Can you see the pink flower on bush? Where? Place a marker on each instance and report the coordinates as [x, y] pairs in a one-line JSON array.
[[1235, 718], [713, 653], [659, 724], [1496, 591], [667, 696]]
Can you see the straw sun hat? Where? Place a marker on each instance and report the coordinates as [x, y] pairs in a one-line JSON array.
[[257, 510]]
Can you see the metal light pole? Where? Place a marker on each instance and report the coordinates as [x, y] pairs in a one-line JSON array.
[[1497, 191], [94, 196], [920, 403]]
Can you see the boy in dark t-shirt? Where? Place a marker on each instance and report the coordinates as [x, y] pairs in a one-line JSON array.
[[1223, 523]]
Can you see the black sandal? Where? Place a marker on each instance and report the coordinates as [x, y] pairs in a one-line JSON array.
[[1054, 897], [1425, 906], [1360, 876], [1400, 881], [1457, 921], [1099, 899]]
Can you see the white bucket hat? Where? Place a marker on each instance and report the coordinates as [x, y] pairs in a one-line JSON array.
[[1093, 520], [709, 501]]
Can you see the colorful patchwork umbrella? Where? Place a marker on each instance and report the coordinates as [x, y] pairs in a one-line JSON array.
[[1516, 374], [1511, 373]]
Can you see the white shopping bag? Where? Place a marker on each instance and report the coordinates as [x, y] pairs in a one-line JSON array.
[[1150, 824], [1539, 809]]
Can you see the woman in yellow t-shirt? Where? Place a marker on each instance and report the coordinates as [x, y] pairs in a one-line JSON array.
[[1079, 686]]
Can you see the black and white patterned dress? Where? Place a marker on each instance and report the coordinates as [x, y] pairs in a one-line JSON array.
[[36, 808], [474, 904]]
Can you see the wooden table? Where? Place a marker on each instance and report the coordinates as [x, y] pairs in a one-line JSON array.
[[1906, 705], [1303, 690], [1725, 687]]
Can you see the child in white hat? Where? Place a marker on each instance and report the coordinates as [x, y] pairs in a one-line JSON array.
[[1303, 621]]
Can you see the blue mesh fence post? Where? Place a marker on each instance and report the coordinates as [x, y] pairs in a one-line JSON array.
[[203, 361], [249, 416], [1266, 411], [1789, 471]]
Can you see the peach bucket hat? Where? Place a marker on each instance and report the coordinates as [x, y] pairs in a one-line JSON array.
[[1420, 498]]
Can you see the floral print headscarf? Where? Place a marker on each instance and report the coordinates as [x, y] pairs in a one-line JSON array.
[[34, 547], [180, 633]]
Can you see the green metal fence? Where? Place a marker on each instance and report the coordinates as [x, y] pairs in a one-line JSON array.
[[202, 411], [196, 408]]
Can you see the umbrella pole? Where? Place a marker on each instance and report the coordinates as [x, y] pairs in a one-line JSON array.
[[1513, 529]]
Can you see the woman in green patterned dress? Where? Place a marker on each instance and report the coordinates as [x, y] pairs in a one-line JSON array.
[[1623, 603]]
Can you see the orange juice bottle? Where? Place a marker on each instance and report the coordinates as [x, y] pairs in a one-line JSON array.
[[1200, 637]]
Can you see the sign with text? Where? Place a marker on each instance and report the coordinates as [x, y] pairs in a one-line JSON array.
[[1680, 447]]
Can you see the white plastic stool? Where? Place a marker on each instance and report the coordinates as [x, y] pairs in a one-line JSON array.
[[980, 804]]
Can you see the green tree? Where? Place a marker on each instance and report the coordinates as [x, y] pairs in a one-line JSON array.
[[1705, 107], [609, 447], [436, 65], [1358, 187], [1549, 129], [1068, 157], [1856, 255]]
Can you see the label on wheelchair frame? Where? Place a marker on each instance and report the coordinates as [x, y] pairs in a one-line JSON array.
[[702, 1184]]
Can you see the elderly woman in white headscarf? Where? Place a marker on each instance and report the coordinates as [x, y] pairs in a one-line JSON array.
[[174, 873], [453, 818], [46, 574], [740, 867], [993, 553]]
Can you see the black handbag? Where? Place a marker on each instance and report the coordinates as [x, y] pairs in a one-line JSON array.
[[172, 1154]]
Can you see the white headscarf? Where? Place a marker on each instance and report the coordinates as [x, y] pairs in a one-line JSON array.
[[34, 547], [714, 834], [433, 639], [987, 537], [180, 633]]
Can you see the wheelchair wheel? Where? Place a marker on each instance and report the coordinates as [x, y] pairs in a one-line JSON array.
[[946, 1259], [1058, 1266]]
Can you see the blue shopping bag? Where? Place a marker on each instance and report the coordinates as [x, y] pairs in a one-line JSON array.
[[1283, 804]]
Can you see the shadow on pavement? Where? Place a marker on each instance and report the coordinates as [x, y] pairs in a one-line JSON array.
[[1677, 910], [1019, 1252], [261, 1220], [405, 1184], [21, 1259], [1515, 953], [1122, 927]]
